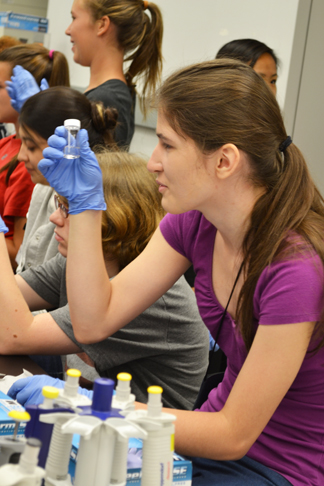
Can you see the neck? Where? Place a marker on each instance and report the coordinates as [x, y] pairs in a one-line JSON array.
[[233, 215], [106, 64]]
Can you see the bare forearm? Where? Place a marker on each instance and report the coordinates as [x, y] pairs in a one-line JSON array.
[[88, 284], [14, 309], [204, 434], [207, 434]]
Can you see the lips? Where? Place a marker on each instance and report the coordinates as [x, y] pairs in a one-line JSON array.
[[58, 237], [160, 183]]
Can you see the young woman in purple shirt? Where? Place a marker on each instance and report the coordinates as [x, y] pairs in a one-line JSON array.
[[243, 208]]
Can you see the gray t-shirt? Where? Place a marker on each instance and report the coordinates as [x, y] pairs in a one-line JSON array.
[[39, 243], [167, 345]]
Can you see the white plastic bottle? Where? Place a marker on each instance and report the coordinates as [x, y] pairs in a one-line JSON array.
[[71, 150]]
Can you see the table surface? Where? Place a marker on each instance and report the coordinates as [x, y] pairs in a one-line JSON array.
[[14, 365]]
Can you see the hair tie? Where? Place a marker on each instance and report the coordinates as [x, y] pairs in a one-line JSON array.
[[50, 54], [145, 4], [285, 144]]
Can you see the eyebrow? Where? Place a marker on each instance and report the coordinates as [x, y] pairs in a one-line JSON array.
[[28, 139], [263, 75], [162, 137]]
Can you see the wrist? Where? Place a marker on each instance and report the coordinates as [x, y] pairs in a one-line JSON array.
[[87, 202]]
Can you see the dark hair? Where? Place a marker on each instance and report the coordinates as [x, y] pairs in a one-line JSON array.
[[139, 34], [245, 50], [48, 109], [35, 59], [225, 101]]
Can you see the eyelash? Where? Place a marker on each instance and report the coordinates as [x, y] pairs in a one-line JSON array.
[[166, 146]]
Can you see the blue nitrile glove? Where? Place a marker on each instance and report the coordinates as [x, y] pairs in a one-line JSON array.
[[28, 391], [22, 86], [79, 180], [3, 227], [212, 343], [134, 458]]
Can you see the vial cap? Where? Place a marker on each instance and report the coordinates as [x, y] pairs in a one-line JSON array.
[[155, 390], [103, 389], [50, 392], [19, 416], [72, 122], [74, 373], [124, 377]]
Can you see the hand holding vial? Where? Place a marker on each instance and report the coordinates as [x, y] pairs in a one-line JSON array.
[[78, 179]]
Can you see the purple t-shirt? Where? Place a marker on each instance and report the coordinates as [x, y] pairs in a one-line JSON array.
[[288, 292]]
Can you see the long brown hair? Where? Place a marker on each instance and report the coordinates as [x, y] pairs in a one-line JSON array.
[[139, 34], [225, 101], [36, 59], [40, 62], [133, 205]]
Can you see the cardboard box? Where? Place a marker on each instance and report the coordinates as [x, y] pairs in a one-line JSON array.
[[7, 425], [182, 468], [24, 22]]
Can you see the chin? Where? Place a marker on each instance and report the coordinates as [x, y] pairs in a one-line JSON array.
[[62, 250]]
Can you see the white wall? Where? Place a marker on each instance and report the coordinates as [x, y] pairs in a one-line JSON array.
[[193, 32]]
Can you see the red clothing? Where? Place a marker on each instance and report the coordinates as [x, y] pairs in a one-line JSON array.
[[14, 197]]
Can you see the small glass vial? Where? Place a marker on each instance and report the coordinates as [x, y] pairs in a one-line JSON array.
[[71, 150]]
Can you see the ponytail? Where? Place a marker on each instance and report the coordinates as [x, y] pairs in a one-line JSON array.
[[63, 103], [139, 32], [40, 62], [59, 75], [147, 59], [292, 205], [103, 124]]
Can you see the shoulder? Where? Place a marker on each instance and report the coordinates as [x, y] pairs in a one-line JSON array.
[[111, 91], [8, 140], [184, 231], [291, 289], [42, 192], [56, 265], [21, 175]]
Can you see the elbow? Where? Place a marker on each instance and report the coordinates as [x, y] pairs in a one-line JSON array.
[[8, 347], [88, 337], [238, 450]]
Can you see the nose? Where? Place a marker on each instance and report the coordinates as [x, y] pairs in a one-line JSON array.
[[68, 30], [57, 218], [153, 164], [22, 154]]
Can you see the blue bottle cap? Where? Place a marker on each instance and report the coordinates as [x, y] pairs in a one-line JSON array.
[[103, 390]]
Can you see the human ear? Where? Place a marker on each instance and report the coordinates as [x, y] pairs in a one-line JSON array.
[[227, 160], [103, 25]]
